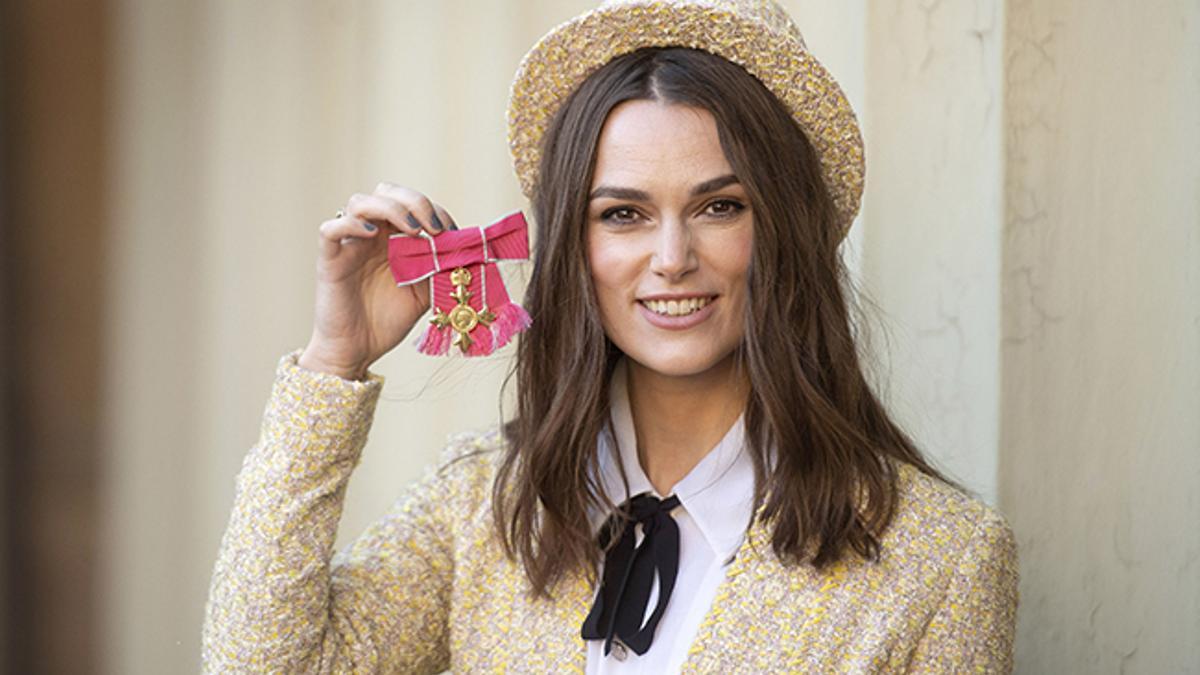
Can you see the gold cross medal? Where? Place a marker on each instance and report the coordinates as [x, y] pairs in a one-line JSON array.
[[462, 318]]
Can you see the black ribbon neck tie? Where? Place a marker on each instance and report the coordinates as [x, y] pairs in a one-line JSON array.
[[629, 573]]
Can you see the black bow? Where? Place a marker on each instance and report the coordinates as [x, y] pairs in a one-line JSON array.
[[629, 572]]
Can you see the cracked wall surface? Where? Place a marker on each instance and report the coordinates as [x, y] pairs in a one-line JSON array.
[[933, 221], [1100, 349]]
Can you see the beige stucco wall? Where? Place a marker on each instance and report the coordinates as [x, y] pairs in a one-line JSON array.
[[1100, 442], [933, 208], [1030, 233]]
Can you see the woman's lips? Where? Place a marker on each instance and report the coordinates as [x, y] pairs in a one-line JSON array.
[[682, 322]]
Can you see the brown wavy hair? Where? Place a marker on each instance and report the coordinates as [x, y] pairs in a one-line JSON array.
[[832, 487]]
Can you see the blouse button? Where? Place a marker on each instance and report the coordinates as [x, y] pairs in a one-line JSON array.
[[619, 651]]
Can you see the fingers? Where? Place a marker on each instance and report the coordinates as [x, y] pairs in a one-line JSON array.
[[344, 229], [431, 217], [404, 209], [381, 209], [446, 218]]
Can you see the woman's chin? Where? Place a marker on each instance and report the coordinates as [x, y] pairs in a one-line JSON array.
[[681, 363]]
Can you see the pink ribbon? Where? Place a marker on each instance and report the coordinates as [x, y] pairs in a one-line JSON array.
[[471, 307]]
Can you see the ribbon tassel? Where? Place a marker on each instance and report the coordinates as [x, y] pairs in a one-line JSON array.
[[511, 320], [472, 312], [433, 341]]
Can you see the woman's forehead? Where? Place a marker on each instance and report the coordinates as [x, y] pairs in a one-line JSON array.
[[649, 122], [650, 142]]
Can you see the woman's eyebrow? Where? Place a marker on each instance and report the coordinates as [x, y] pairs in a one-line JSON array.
[[634, 194]]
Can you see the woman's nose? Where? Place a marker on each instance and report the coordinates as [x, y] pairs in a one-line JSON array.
[[673, 255]]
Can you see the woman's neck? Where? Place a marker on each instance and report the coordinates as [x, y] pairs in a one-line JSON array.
[[679, 419]]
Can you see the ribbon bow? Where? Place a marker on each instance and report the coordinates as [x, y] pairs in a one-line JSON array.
[[629, 572], [471, 307]]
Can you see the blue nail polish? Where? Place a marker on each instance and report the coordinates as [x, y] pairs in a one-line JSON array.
[[370, 227], [437, 223], [413, 221]]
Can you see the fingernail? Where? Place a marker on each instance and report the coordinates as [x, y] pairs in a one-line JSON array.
[[413, 221], [437, 223], [454, 226], [370, 227]]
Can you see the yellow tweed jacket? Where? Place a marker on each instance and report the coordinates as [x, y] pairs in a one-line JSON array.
[[426, 587]]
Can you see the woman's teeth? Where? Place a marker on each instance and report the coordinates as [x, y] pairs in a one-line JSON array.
[[676, 307]]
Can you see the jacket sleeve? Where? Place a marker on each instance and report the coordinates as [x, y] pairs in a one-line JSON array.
[[279, 600], [974, 625]]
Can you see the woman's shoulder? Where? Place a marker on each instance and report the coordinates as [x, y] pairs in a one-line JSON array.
[[485, 443], [460, 477], [470, 457], [934, 519]]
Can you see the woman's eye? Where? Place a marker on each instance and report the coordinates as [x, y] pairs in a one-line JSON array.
[[725, 208], [620, 214]]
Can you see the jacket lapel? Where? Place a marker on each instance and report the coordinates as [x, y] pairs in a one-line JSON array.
[[716, 631]]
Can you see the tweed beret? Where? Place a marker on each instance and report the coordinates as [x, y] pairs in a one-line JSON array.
[[758, 35]]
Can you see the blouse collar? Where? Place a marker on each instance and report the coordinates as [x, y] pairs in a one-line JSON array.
[[718, 493]]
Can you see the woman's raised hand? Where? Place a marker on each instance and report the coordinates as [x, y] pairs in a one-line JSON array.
[[361, 314]]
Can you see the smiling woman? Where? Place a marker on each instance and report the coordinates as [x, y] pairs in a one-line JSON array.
[[681, 196], [713, 308], [669, 257], [698, 476]]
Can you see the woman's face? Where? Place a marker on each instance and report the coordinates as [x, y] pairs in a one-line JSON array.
[[669, 238]]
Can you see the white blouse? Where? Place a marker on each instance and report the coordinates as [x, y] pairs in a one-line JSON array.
[[716, 500]]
